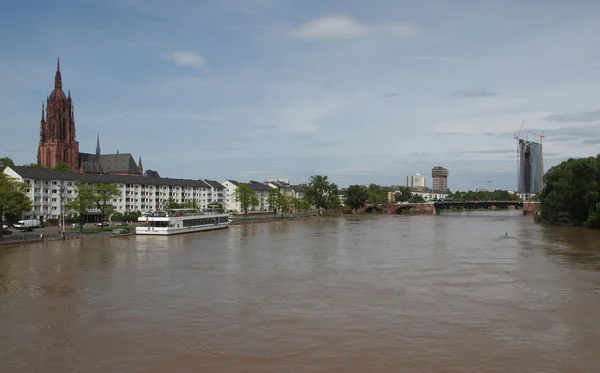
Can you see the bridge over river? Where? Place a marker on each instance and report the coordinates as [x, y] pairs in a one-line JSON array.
[[529, 208]]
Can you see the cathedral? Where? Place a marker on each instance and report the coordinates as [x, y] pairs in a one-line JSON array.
[[58, 144]]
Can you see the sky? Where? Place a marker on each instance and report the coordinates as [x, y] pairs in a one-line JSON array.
[[363, 92]]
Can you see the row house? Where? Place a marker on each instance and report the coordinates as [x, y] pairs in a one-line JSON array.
[[262, 192], [291, 191], [51, 189]]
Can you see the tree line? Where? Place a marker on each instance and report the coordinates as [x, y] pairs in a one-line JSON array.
[[484, 195], [571, 194]]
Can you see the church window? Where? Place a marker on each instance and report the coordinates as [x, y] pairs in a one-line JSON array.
[[48, 157], [66, 156]]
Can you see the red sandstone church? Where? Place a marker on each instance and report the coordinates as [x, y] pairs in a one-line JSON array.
[[58, 144]]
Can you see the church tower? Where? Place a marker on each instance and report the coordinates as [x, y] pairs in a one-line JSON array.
[[57, 129]]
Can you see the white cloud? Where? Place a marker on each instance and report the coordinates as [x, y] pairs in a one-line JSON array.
[[344, 27], [186, 58]]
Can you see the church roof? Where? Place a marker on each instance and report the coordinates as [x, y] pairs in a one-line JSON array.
[[118, 163], [108, 163]]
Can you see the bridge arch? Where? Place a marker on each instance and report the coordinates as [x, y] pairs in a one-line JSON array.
[[400, 209], [372, 209]]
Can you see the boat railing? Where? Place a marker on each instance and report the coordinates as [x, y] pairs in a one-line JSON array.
[[175, 213]]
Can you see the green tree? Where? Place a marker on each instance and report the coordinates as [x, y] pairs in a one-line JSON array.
[[83, 201], [299, 204], [333, 202], [356, 197], [403, 194], [6, 162], [246, 197], [377, 194], [572, 192], [213, 206], [13, 200], [275, 200], [319, 191], [416, 198], [60, 166], [34, 165], [103, 194]]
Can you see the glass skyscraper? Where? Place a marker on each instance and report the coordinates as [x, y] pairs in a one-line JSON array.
[[531, 167]]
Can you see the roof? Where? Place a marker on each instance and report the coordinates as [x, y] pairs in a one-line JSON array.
[[277, 183], [259, 187], [234, 182], [123, 162], [38, 173], [214, 184], [108, 163], [151, 173], [298, 188]]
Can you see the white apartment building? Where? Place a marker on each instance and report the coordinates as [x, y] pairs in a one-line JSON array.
[[261, 190], [416, 180], [138, 193], [230, 203]]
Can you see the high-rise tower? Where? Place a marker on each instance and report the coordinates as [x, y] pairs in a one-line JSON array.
[[439, 177]]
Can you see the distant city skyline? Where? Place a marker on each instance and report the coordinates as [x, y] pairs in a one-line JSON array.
[[362, 93]]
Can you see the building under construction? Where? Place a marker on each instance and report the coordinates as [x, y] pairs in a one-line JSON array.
[[530, 167], [439, 176]]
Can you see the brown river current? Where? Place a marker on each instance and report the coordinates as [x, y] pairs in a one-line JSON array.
[[405, 293]]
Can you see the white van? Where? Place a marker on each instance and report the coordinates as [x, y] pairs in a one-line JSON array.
[[27, 225]]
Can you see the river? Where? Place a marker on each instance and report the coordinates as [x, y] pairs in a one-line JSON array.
[[408, 293]]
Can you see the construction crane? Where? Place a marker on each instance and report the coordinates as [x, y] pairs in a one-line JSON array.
[[541, 136], [518, 134]]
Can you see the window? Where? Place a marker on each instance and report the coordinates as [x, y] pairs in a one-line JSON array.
[[48, 157]]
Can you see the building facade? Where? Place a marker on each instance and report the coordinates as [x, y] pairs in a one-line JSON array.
[[439, 176], [431, 196], [50, 190], [531, 168], [230, 202], [416, 181]]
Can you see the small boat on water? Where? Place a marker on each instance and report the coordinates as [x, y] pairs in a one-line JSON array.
[[178, 221]]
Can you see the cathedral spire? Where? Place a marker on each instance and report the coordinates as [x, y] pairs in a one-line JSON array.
[[43, 117], [58, 77], [98, 145], [140, 166]]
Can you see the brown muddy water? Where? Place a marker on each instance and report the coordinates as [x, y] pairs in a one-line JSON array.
[[382, 294]]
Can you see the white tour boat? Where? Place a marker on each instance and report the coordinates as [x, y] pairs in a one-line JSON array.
[[177, 221]]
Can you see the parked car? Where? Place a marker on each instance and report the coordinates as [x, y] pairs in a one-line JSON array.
[[4, 226], [103, 224], [78, 225]]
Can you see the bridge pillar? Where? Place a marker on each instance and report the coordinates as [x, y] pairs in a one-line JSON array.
[[531, 208]]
